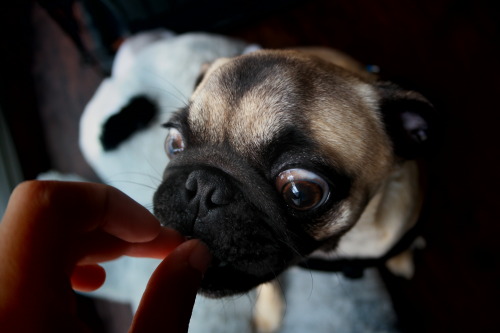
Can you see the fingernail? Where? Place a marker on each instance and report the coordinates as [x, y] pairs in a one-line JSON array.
[[200, 257]]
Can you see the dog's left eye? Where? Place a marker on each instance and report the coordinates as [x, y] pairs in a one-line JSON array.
[[302, 189], [174, 143]]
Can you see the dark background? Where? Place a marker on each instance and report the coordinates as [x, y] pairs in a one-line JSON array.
[[448, 50]]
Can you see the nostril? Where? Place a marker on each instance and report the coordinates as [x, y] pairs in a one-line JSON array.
[[190, 195], [221, 196], [208, 189], [192, 183], [191, 187]]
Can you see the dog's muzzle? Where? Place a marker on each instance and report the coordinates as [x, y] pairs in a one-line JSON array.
[[207, 204]]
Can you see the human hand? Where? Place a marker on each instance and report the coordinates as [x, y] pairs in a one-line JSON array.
[[54, 234]]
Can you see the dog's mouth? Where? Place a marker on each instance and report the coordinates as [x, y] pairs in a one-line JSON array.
[[223, 279], [250, 240], [246, 251], [243, 262]]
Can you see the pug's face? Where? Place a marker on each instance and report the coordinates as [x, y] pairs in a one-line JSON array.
[[276, 155]]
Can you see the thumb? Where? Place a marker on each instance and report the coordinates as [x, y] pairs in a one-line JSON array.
[[168, 301]]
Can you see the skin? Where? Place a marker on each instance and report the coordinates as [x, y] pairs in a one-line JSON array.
[[54, 234]]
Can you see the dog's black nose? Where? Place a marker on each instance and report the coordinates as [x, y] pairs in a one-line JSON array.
[[208, 189]]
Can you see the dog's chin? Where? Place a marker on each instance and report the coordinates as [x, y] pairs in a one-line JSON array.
[[226, 281], [239, 274]]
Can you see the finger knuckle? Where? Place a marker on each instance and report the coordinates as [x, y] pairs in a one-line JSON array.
[[38, 193]]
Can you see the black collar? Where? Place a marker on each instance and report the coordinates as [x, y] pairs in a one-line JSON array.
[[354, 268]]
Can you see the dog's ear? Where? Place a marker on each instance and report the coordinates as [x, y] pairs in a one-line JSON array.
[[207, 65], [410, 120], [203, 71], [208, 68]]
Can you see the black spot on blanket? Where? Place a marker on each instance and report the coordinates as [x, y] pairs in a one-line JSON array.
[[132, 118]]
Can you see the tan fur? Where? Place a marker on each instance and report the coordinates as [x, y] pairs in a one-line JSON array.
[[340, 59], [259, 112], [345, 121], [342, 116], [269, 308], [379, 227]]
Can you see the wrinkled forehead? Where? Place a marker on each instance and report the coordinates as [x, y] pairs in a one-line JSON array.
[[249, 102], [246, 103]]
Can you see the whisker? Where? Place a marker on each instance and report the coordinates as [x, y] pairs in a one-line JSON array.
[[224, 308], [142, 174], [128, 181], [178, 95], [149, 207], [283, 294], [292, 248], [312, 285], [162, 91], [117, 182], [168, 109], [159, 174]]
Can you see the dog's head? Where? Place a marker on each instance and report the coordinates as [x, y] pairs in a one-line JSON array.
[[277, 155]]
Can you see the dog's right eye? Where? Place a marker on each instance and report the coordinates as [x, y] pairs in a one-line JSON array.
[[174, 143], [302, 189]]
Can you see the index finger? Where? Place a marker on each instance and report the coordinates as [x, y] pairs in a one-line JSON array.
[[47, 216], [81, 207]]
